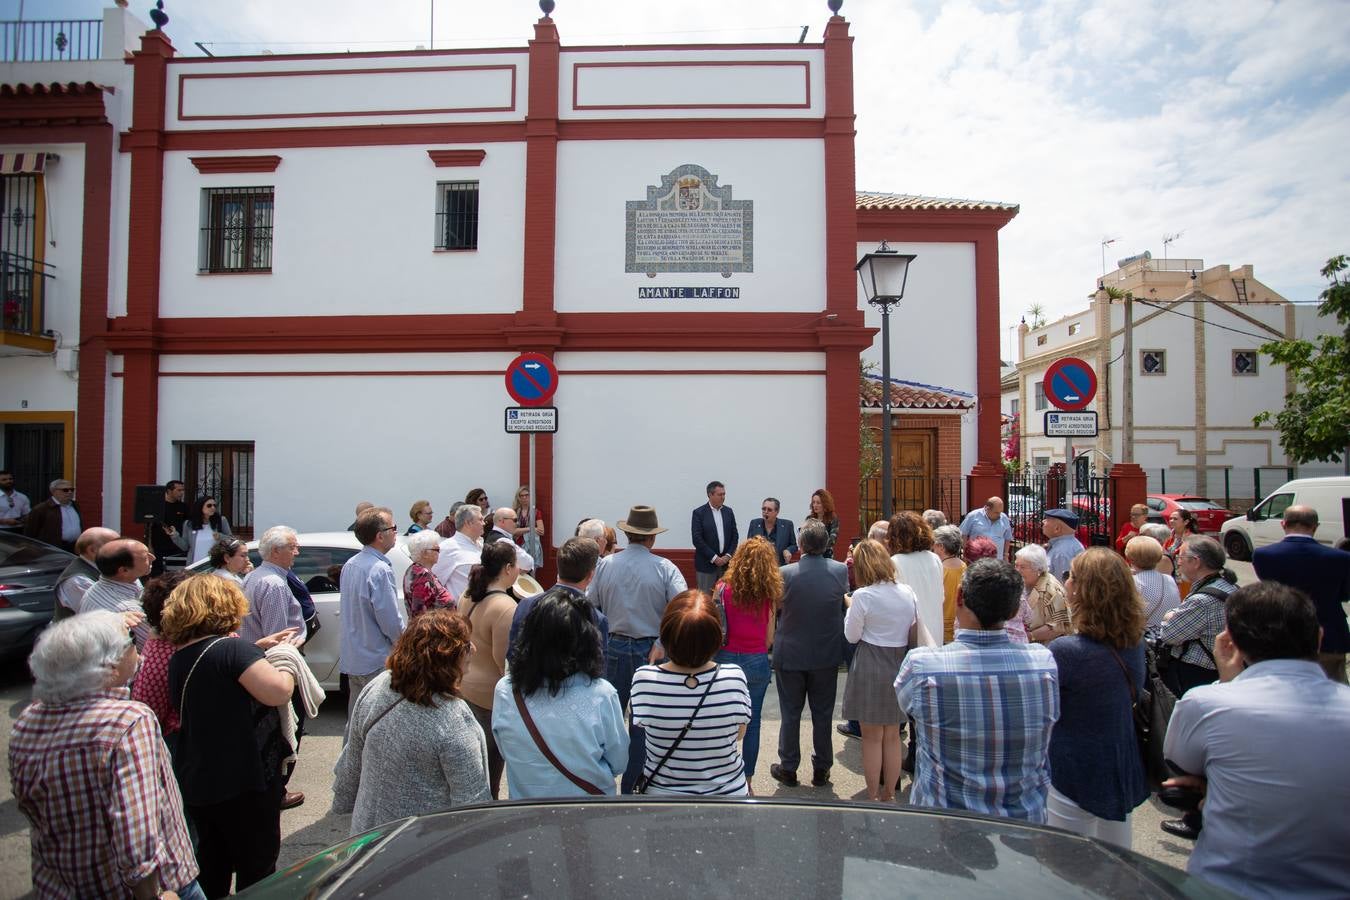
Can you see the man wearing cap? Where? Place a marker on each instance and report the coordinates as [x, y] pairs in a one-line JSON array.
[[991, 523], [632, 589], [1059, 527]]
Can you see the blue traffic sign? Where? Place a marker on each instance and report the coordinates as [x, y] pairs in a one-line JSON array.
[[1070, 384], [531, 379]]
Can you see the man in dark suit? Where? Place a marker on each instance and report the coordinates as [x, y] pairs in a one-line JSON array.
[[56, 520], [1320, 572], [807, 650], [776, 531], [713, 529]]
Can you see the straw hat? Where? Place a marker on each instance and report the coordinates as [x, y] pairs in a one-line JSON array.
[[641, 520]]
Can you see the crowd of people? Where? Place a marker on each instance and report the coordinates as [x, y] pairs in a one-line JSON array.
[[1013, 671]]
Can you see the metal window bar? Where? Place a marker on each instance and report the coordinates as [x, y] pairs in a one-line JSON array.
[[22, 275], [59, 40], [457, 215], [236, 231], [912, 492]]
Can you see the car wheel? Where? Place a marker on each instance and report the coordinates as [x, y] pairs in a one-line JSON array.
[[1236, 546]]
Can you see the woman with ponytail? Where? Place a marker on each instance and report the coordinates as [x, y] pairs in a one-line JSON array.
[[489, 605]]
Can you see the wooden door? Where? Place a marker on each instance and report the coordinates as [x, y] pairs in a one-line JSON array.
[[912, 467]]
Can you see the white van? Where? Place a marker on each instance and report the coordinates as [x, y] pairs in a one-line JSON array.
[[1261, 526]]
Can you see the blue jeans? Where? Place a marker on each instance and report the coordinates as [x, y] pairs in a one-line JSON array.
[[623, 657], [756, 668], [191, 891]]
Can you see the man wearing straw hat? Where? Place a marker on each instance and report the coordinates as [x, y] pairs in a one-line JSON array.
[[632, 589]]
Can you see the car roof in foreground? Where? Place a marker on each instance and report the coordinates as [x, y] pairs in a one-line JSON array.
[[658, 848]]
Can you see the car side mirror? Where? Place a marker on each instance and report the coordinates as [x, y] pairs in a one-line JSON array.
[[1251, 515]]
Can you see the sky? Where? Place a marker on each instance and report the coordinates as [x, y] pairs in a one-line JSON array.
[[1128, 120]]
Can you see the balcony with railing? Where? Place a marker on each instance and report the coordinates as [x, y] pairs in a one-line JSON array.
[[23, 284], [51, 40]]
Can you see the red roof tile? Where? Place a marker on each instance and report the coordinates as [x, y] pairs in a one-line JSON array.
[[878, 200]]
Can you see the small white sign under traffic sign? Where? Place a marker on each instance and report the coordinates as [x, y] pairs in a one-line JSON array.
[[532, 419], [1071, 424]]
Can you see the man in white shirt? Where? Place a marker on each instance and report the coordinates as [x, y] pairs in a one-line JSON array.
[[459, 554], [713, 530], [503, 523], [14, 505], [1266, 744]]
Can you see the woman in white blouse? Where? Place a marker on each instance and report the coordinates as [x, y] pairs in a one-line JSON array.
[[202, 528], [882, 619], [911, 541]]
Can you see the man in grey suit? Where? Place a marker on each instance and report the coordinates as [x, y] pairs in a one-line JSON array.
[[807, 652]]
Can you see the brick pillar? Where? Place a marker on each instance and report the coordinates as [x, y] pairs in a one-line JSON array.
[[1054, 486], [1129, 485], [985, 480]]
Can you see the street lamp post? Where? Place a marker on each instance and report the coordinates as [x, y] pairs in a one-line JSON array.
[[883, 273]]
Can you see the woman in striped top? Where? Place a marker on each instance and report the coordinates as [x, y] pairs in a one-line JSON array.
[[690, 689]]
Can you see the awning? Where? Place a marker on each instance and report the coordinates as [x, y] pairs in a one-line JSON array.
[[23, 163]]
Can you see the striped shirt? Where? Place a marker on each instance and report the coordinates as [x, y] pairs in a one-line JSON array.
[[983, 709], [94, 778], [1192, 627], [708, 759], [119, 597]]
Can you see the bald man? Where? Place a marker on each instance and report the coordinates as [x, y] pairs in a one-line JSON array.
[[503, 527], [80, 575], [121, 566], [989, 522]]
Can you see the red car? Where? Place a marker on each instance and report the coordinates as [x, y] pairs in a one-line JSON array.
[[1091, 517], [1209, 515]]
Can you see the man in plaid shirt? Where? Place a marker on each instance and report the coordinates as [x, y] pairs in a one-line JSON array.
[[983, 707], [90, 771]]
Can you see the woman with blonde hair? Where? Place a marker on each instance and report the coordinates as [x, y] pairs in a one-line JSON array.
[[530, 538], [230, 745], [748, 595], [421, 515], [1096, 773], [882, 619], [1158, 591]]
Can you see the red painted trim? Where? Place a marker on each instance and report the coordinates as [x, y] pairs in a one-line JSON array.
[[217, 165], [879, 224], [987, 359], [572, 373], [363, 54], [723, 48], [336, 136], [689, 129], [495, 373], [451, 158], [324, 73], [806, 72]]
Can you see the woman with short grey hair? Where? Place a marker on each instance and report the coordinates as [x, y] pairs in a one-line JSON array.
[[947, 543], [1046, 603], [422, 590], [75, 660]]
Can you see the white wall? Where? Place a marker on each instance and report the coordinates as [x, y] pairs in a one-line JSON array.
[[782, 177], [354, 234], [324, 442], [626, 439]]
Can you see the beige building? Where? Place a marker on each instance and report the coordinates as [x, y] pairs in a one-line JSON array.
[[1198, 376]]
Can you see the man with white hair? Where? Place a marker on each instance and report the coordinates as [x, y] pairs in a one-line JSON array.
[[503, 528], [121, 565], [272, 605], [78, 577], [462, 552], [593, 529], [56, 520], [91, 772]]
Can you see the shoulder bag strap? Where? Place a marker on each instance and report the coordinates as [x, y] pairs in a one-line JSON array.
[[182, 697], [687, 726], [1134, 693], [387, 710], [543, 747]]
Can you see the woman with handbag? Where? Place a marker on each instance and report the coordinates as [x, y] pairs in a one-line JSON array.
[[1096, 771], [230, 747], [882, 619], [695, 711], [749, 593], [488, 606], [413, 747], [555, 718]]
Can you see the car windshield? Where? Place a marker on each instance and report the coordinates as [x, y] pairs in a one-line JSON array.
[[21, 551]]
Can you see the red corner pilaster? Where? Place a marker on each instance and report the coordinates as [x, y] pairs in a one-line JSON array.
[[841, 204], [140, 389], [987, 359], [1129, 485], [90, 393]]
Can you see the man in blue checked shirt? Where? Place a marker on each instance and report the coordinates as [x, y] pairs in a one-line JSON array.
[[983, 707]]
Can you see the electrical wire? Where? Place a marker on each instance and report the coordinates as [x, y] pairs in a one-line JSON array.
[[1259, 337]]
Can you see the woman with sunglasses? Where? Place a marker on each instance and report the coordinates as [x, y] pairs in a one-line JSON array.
[[229, 560], [203, 528]]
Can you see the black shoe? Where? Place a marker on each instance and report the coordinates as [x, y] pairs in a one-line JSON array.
[[820, 777], [843, 729], [1180, 828], [908, 765], [783, 776]]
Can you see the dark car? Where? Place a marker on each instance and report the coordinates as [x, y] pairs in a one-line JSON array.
[[28, 573], [591, 849]]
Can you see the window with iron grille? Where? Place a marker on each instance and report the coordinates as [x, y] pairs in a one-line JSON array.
[[236, 230], [457, 215], [1041, 402]]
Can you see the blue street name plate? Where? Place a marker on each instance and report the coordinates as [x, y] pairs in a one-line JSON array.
[[689, 293]]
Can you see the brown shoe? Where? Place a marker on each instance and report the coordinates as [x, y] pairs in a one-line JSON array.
[[292, 799]]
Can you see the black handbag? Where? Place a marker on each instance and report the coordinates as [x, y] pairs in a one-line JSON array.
[[1152, 710]]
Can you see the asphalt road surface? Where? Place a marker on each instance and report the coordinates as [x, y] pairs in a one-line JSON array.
[[311, 827]]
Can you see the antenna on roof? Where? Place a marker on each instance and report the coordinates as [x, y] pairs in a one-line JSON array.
[[802, 39], [1169, 238], [1106, 242]]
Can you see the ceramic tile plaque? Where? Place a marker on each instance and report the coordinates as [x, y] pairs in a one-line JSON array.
[[689, 223]]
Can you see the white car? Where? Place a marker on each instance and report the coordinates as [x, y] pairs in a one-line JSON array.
[[318, 552], [1261, 527]]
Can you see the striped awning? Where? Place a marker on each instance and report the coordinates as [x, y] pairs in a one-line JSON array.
[[22, 163]]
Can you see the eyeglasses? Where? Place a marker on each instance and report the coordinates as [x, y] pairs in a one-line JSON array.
[[64, 490], [390, 528], [1181, 556]]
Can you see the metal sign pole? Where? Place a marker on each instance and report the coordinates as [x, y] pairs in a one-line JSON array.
[[1068, 473], [530, 513]]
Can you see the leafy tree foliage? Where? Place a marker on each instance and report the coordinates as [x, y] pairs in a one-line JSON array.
[[1315, 422]]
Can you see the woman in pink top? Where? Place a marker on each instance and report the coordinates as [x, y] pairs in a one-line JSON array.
[[749, 593], [151, 685]]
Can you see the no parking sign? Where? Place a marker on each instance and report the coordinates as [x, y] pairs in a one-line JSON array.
[[531, 379], [1070, 384]]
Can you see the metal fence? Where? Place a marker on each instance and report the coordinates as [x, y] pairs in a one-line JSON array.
[[52, 40], [914, 492], [1029, 492], [22, 286], [1236, 488]]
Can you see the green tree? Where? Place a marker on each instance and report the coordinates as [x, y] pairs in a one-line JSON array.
[[869, 436], [1315, 421]]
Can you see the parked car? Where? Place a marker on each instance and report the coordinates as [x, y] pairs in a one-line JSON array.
[[1261, 525], [319, 551], [676, 848], [28, 573], [1209, 515], [1094, 516]]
